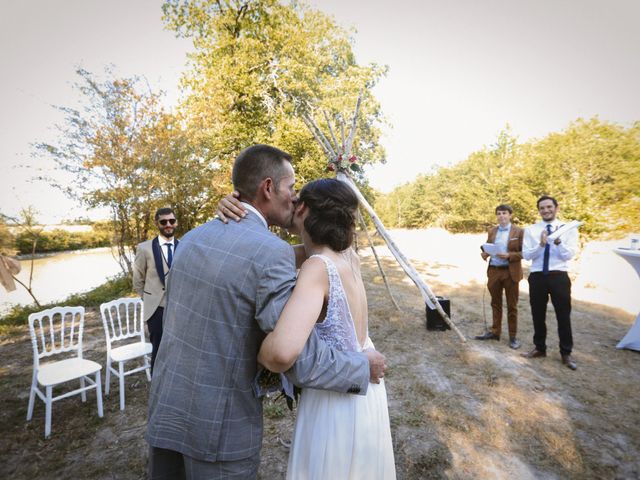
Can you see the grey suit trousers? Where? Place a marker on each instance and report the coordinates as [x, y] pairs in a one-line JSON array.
[[171, 465]]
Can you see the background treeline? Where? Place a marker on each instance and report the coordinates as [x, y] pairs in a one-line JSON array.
[[24, 235], [58, 240], [592, 168]]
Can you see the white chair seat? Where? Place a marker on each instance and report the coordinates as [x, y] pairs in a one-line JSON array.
[[64, 370], [129, 351]]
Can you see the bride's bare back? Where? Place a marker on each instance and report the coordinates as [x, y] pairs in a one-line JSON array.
[[348, 264]]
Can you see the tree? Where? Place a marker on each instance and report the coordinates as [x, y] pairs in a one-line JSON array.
[[7, 238], [28, 225], [128, 154], [258, 66]]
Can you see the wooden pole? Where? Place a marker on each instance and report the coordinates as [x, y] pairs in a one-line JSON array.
[[336, 146], [428, 296], [352, 133], [310, 126], [363, 225]]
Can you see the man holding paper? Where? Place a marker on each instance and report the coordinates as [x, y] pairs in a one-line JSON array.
[[504, 272], [549, 245]]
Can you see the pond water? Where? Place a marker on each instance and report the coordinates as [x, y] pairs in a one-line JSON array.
[[57, 276]]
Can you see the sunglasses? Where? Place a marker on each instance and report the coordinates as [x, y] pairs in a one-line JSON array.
[[170, 221]]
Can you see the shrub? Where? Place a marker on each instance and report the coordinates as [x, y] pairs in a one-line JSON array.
[[115, 287]]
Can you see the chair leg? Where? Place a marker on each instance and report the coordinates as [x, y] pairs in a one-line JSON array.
[[121, 370], [83, 394], [148, 370], [32, 397], [107, 377], [47, 414], [99, 393]]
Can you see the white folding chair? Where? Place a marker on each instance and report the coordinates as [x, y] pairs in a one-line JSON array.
[[123, 321], [58, 331]]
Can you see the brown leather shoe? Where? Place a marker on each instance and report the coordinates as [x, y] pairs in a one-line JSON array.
[[568, 361], [535, 353]]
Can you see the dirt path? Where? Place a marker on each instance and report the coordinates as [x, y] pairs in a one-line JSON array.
[[460, 411]]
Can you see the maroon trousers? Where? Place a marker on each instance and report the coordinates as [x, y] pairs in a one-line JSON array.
[[499, 279]]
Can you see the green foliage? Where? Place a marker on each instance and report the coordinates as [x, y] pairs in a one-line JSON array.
[[7, 239], [592, 168], [131, 156], [258, 65], [115, 287], [58, 240]]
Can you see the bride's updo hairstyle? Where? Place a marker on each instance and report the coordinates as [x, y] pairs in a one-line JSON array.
[[332, 212]]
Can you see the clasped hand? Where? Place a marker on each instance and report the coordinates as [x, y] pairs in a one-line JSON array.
[[377, 365], [543, 239]]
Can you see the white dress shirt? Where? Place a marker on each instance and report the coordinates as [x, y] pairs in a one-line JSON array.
[[502, 242], [255, 210], [559, 255], [163, 248]]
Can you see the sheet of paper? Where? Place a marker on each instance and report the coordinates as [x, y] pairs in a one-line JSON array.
[[490, 249], [564, 229]]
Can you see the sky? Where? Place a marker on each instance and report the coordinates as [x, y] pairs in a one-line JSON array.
[[459, 72]]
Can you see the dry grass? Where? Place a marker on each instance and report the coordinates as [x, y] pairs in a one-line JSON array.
[[481, 411], [459, 411]]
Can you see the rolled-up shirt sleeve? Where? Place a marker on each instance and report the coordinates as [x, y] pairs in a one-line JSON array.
[[531, 248], [568, 246]]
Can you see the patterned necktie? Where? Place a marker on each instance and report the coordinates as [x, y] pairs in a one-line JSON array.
[[545, 261], [169, 254]]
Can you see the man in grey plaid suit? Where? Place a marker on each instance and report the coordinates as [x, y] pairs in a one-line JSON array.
[[228, 285]]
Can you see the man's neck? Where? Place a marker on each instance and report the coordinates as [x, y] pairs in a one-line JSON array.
[[165, 239], [258, 210], [506, 225]]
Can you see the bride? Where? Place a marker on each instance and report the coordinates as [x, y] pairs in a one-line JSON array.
[[336, 435]]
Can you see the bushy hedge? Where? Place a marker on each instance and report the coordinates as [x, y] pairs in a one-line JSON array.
[[59, 240], [116, 287]]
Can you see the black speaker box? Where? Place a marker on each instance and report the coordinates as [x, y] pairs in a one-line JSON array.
[[434, 320]]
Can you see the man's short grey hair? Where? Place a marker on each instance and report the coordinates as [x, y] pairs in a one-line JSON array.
[[255, 164]]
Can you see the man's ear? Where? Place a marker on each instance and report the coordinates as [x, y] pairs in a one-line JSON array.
[[300, 208], [269, 187], [266, 188]]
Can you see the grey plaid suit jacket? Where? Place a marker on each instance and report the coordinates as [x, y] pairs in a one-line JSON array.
[[228, 285]]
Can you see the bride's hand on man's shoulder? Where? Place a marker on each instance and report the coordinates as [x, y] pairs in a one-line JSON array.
[[230, 208], [377, 365]]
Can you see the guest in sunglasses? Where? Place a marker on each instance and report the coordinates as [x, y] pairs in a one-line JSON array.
[[150, 271]]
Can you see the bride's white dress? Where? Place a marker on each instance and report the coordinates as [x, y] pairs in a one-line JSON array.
[[341, 435]]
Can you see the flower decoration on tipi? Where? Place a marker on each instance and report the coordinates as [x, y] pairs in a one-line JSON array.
[[339, 154]]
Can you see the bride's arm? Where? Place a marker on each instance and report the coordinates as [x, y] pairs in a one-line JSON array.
[[281, 348]]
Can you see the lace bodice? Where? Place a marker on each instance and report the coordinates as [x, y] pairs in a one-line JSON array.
[[337, 329]]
